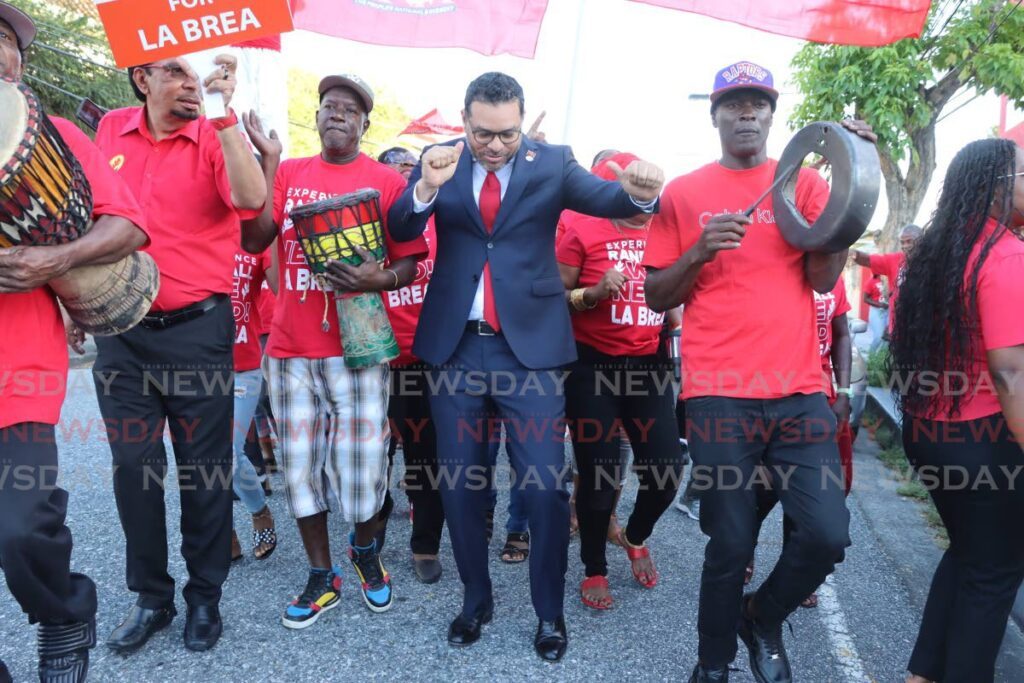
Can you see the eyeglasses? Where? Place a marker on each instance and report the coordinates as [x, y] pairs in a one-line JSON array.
[[174, 71], [1011, 175], [507, 137]]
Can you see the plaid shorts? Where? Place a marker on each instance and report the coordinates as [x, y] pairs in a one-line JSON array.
[[333, 432]]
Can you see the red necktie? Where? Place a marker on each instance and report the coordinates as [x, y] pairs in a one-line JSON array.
[[490, 202]]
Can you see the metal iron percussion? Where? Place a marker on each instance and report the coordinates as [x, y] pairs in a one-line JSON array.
[[856, 180]]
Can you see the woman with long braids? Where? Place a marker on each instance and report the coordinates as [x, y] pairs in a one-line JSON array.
[[958, 346]]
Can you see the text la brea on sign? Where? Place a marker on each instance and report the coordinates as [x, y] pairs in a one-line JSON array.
[[197, 28]]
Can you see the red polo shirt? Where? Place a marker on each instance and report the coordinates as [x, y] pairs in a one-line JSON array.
[[302, 307], [404, 305], [33, 349], [181, 184], [621, 325], [749, 322]]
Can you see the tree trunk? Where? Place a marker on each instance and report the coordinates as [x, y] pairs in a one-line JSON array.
[[906, 193]]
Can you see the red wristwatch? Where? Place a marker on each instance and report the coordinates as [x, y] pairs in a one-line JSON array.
[[229, 121]]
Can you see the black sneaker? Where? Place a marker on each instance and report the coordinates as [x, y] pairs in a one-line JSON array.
[[768, 660], [320, 595], [704, 675], [374, 579], [64, 651]]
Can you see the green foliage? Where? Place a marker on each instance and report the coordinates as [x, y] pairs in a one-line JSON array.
[[387, 120], [894, 88], [878, 375], [58, 59]]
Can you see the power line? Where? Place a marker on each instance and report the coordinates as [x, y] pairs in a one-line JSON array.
[[948, 114], [54, 87], [65, 53], [53, 28]]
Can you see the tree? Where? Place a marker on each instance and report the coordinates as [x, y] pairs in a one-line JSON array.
[[902, 89], [387, 120], [71, 59]]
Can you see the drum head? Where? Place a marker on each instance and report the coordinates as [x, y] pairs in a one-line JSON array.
[[13, 122]]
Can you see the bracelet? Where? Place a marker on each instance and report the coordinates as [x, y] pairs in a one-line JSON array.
[[845, 390], [577, 301], [388, 270], [225, 122]]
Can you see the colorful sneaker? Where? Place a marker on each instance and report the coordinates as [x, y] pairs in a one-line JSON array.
[[321, 594], [375, 580]]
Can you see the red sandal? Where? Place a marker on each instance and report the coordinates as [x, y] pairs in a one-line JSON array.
[[638, 553], [595, 582]]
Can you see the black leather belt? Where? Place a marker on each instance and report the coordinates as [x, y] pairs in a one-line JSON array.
[[482, 328], [161, 320]]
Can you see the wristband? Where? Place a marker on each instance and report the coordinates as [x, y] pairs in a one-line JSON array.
[[844, 390], [388, 270], [224, 122]]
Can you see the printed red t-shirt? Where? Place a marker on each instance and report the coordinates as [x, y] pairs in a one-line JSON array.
[[871, 288], [827, 308], [891, 266], [1000, 300], [622, 325], [404, 305], [266, 298], [248, 277], [33, 348], [749, 322], [181, 183], [297, 331]]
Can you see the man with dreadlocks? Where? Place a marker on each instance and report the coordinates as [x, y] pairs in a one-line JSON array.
[[958, 342]]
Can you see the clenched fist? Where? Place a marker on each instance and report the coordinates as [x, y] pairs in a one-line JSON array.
[[437, 165], [642, 180]]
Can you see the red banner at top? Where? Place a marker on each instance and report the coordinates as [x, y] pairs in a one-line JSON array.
[[487, 26], [868, 23]]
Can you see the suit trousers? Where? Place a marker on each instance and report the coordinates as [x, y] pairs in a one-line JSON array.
[[181, 377], [35, 545], [794, 438], [484, 379]]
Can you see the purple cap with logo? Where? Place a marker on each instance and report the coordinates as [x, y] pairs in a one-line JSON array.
[[744, 76]]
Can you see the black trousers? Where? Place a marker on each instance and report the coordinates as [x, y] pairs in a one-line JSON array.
[[603, 395], [409, 414], [794, 437], [35, 545], [181, 377], [971, 469]]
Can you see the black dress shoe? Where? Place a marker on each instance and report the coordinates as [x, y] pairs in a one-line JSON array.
[[466, 630], [64, 651], [551, 639], [768, 660], [428, 570], [138, 626], [702, 674], [202, 627]]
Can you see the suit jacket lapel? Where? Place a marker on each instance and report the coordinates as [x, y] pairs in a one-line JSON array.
[[464, 181], [521, 173]]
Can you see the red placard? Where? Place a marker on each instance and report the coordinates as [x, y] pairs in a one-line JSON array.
[[144, 31]]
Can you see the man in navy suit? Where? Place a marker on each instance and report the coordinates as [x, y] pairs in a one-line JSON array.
[[495, 326]]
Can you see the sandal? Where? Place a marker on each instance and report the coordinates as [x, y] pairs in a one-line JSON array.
[[517, 548], [810, 602], [639, 552], [264, 538], [592, 582], [615, 531], [236, 548]]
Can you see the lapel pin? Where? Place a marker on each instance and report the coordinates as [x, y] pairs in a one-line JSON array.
[[530, 155]]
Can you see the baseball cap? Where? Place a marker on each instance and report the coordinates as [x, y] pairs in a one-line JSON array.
[[24, 27], [744, 76], [358, 85]]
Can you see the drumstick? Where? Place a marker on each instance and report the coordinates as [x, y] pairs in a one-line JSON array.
[[778, 181]]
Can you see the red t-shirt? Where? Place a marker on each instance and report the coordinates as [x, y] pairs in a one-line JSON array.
[[249, 275], [749, 321], [181, 184], [404, 304], [1000, 301], [266, 300], [33, 349], [871, 287], [827, 308], [297, 330], [622, 325], [891, 266]]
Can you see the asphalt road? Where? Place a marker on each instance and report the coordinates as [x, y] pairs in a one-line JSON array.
[[863, 630]]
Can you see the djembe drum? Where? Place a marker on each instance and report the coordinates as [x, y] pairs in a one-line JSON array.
[[45, 200], [329, 230]]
